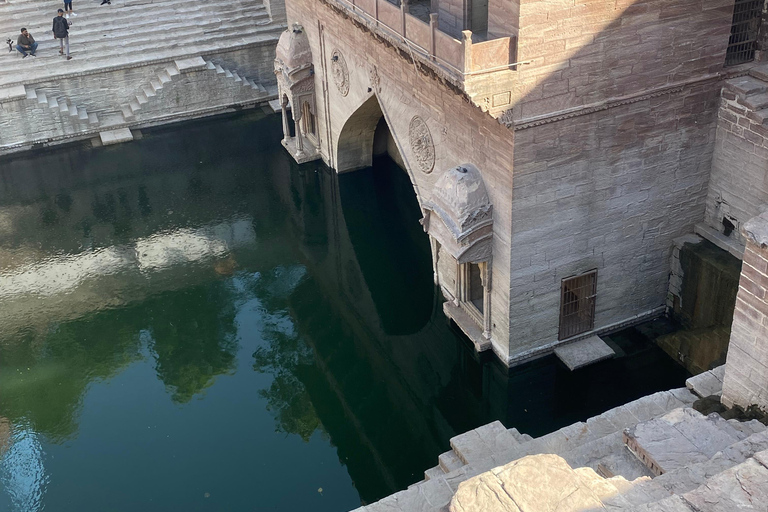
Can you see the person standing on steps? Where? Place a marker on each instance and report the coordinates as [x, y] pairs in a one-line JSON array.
[[26, 43], [61, 32], [68, 11]]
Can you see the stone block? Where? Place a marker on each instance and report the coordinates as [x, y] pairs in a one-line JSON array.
[[116, 136], [449, 461], [14, 92], [705, 384], [584, 352], [496, 436], [437, 492]]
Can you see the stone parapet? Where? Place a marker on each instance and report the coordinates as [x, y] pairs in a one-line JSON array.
[[746, 370]]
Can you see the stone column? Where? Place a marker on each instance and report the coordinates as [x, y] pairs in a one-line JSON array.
[[746, 367], [299, 133], [286, 128]]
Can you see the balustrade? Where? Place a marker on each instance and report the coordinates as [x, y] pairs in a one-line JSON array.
[[425, 39]]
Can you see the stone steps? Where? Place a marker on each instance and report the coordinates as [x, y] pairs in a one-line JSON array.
[[100, 37], [61, 105], [734, 478], [135, 57], [752, 94], [591, 444], [91, 17]]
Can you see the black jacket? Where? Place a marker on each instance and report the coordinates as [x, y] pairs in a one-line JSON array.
[[60, 27]]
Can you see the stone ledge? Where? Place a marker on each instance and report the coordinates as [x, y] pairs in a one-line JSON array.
[[720, 240], [115, 136], [13, 93], [756, 230], [708, 383], [190, 64], [584, 352], [467, 325]]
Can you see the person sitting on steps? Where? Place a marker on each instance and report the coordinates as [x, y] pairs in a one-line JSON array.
[[26, 43], [61, 32]]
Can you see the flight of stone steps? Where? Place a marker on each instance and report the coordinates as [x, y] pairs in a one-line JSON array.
[[130, 32], [596, 447], [61, 105], [750, 93], [166, 75]]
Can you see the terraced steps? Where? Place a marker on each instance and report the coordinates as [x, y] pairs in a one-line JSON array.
[[581, 455], [101, 37]]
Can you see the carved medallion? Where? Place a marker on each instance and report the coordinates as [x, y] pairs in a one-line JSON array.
[[340, 72], [421, 144]]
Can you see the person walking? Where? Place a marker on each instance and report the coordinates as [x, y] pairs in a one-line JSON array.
[[61, 32], [68, 9], [26, 43]]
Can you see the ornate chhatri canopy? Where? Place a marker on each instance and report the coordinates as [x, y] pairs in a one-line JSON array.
[[463, 212]]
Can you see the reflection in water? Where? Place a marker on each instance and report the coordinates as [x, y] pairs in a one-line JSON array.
[[191, 320], [22, 473]]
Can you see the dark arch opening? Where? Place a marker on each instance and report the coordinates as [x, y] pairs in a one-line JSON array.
[[379, 198]]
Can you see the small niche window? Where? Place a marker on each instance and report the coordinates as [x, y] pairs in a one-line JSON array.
[[577, 304], [476, 290], [745, 27], [309, 119]]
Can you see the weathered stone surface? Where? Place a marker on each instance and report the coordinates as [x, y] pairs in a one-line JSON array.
[[539, 482], [670, 504], [584, 352], [678, 439], [762, 457], [741, 488], [706, 384]]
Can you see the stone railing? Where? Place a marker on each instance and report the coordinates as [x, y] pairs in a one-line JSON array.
[[459, 58]]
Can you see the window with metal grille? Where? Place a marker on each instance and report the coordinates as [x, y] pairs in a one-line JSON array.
[[577, 304], [744, 30]]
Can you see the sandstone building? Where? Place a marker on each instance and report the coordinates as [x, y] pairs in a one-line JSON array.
[[559, 149]]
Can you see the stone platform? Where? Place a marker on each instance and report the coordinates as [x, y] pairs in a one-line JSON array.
[[584, 352], [134, 64]]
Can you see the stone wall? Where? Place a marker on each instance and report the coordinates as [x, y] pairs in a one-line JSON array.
[[451, 15], [738, 186], [746, 369], [503, 18], [588, 52], [608, 190], [461, 133]]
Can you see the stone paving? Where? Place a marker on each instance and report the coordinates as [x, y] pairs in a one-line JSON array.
[[128, 32]]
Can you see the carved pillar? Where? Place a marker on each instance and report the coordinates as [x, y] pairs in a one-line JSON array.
[[299, 133], [284, 111]]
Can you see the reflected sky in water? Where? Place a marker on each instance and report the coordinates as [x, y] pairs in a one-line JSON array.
[[193, 322]]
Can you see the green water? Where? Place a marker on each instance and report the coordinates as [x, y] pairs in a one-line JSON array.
[[192, 322]]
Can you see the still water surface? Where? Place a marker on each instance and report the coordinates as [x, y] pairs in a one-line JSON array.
[[193, 322]]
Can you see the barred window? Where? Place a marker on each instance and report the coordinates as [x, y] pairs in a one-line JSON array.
[[577, 304], [744, 30]]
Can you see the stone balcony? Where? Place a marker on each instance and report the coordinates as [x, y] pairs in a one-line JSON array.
[[403, 25]]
